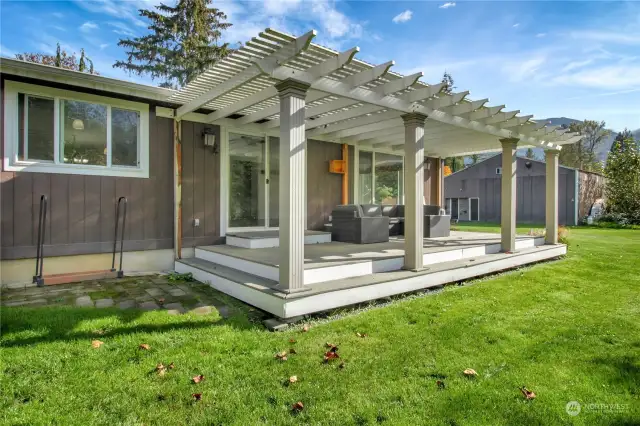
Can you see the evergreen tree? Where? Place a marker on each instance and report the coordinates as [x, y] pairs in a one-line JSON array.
[[449, 84], [530, 154], [184, 41], [620, 138], [583, 155]]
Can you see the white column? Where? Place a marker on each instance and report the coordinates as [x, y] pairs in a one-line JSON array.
[[413, 190], [293, 189], [508, 198], [551, 199]]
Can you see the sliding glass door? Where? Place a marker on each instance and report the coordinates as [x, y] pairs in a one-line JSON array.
[[253, 180], [380, 178]]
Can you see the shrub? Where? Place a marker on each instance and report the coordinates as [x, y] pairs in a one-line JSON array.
[[563, 235]]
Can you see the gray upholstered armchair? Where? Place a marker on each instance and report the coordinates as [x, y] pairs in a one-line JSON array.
[[359, 224]]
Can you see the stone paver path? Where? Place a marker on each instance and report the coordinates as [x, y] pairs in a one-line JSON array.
[[155, 292]]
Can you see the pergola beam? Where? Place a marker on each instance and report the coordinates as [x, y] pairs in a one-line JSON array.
[[263, 66]]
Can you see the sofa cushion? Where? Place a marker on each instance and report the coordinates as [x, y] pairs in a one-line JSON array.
[[390, 210], [346, 211], [430, 210], [371, 210]]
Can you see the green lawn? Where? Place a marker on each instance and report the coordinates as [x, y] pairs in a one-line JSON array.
[[568, 330]]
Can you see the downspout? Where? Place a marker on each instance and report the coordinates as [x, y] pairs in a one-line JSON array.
[[177, 188], [345, 175]]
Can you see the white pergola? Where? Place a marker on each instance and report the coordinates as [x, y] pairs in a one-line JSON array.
[[288, 86]]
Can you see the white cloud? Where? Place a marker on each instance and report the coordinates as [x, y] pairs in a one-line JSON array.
[[120, 9], [623, 77], [334, 22], [5, 51], [526, 69], [88, 27], [608, 36], [403, 17], [516, 25], [447, 5], [121, 28], [280, 7], [104, 46], [540, 35], [576, 64], [59, 28], [58, 15]]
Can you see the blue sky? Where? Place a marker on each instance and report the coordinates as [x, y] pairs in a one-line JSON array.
[[573, 59]]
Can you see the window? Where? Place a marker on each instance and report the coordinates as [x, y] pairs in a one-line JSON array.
[[380, 178], [57, 131], [499, 170]]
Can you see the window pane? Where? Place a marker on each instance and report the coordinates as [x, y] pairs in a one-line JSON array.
[[84, 133], [124, 137], [388, 179], [365, 177], [36, 128], [246, 181]]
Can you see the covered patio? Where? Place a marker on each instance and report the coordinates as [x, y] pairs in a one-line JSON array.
[[288, 87]]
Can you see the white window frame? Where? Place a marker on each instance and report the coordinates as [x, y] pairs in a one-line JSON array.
[[499, 171], [11, 133]]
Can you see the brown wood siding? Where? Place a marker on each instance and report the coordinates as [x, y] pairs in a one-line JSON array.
[[324, 189], [81, 214], [431, 180], [200, 187]]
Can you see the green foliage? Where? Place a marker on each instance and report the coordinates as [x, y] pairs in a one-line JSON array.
[[62, 59], [582, 155], [455, 163], [184, 41], [177, 277], [530, 154], [623, 182], [447, 79]]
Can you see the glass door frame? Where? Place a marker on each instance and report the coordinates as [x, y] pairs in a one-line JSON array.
[[356, 173], [225, 180]]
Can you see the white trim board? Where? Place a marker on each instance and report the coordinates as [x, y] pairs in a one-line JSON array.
[[254, 243]]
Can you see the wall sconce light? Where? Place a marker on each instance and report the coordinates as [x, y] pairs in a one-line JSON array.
[[210, 140]]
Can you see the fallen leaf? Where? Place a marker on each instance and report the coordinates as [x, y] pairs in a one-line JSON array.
[[470, 372], [293, 379], [341, 364], [298, 406], [97, 343], [330, 355], [330, 345], [197, 396], [282, 356], [292, 340], [292, 351], [440, 384], [172, 366], [333, 349], [362, 335], [144, 347], [161, 369], [305, 328], [198, 378], [527, 393], [161, 301]]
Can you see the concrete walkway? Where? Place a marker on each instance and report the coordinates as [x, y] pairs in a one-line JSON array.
[[155, 292]]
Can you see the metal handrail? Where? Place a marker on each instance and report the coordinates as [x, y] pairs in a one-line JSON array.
[[115, 237], [42, 223]]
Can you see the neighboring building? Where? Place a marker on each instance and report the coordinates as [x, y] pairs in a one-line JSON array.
[[473, 194]]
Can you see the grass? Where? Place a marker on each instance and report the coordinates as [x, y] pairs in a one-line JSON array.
[[568, 330]]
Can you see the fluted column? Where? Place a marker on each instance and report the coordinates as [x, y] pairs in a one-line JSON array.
[[413, 190], [293, 170], [551, 199], [508, 198]]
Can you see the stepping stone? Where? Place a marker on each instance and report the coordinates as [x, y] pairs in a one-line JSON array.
[[154, 292], [26, 302], [149, 306], [104, 303], [174, 308], [177, 292], [202, 310], [84, 301], [127, 304]]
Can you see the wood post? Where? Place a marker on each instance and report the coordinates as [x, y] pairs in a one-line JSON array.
[[508, 198]]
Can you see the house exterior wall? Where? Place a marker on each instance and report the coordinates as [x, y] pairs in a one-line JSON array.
[[324, 189], [482, 181], [81, 213]]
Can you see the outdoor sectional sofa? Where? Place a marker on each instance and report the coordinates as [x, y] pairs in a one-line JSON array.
[[372, 223]]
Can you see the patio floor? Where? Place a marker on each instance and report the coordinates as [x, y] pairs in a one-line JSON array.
[[155, 292]]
